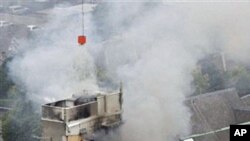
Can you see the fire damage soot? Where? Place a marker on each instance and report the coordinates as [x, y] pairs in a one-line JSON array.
[[79, 117]]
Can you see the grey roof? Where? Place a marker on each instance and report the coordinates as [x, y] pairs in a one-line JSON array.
[[216, 110], [246, 99]]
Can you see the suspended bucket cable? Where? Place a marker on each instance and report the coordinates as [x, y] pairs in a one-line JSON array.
[[82, 38]]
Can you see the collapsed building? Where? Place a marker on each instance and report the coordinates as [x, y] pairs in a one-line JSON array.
[[79, 117]]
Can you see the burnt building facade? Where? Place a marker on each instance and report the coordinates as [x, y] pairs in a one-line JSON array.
[[78, 118]]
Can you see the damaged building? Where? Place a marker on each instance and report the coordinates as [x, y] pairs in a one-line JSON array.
[[79, 117]]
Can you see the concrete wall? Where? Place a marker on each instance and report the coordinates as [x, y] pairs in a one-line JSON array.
[[54, 130], [113, 104]]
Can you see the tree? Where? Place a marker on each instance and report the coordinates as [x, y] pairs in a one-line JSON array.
[[200, 82], [21, 123], [215, 75], [240, 79], [5, 82]]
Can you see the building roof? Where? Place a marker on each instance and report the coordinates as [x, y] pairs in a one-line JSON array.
[[216, 110]]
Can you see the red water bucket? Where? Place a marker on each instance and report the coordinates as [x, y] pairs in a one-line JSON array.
[[82, 40]]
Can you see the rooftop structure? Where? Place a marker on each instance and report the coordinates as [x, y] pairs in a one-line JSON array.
[[79, 117]]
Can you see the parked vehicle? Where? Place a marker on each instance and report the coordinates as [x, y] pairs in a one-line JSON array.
[[5, 24], [32, 27], [18, 9]]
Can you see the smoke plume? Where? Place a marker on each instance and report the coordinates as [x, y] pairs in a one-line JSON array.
[[151, 47], [51, 66]]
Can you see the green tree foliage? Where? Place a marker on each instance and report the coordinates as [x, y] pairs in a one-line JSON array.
[[215, 76], [239, 78], [200, 82], [5, 82], [209, 78], [21, 123], [243, 85]]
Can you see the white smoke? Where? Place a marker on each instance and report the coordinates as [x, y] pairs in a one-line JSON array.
[[151, 47], [154, 59], [52, 66]]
